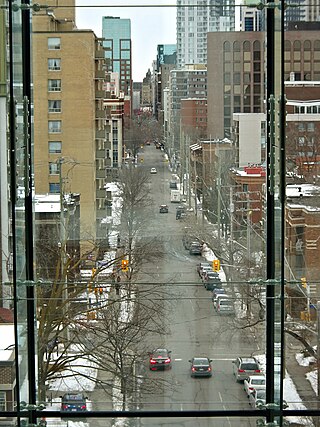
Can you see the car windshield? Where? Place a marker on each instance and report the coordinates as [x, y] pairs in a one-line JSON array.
[[258, 381], [260, 394], [225, 302]]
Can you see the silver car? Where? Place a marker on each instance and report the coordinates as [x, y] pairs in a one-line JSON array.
[[254, 382], [243, 367]]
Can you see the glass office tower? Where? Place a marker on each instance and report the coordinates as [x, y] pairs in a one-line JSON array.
[[117, 43]]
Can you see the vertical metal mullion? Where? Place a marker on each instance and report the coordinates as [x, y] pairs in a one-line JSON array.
[[26, 73], [13, 183], [282, 195], [270, 220]]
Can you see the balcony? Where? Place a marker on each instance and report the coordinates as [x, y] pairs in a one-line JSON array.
[[100, 153], [100, 74], [100, 134], [99, 54], [100, 193], [100, 94], [108, 145], [108, 162], [100, 114], [101, 173]]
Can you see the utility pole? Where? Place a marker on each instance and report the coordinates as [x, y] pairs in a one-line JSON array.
[[318, 358], [219, 198], [63, 249], [231, 224]]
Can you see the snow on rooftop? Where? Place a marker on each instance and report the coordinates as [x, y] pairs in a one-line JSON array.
[[302, 190]]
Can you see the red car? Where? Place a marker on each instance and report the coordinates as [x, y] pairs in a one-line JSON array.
[[160, 359]]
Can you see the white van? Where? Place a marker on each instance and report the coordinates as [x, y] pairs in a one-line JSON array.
[[175, 196]]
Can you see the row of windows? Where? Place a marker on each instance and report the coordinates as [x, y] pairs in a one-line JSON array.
[[302, 141], [309, 127], [314, 109]]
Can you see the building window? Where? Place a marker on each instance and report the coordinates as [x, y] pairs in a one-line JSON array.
[[54, 106], [54, 126], [54, 43], [310, 127], [54, 64], [54, 188], [301, 127], [54, 85], [55, 147], [54, 168], [3, 401]]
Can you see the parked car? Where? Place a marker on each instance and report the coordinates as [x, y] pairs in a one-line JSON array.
[[203, 265], [163, 209], [211, 280], [201, 367], [257, 399], [160, 359], [243, 367], [217, 296], [173, 185], [73, 402], [254, 382], [204, 270], [217, 291], [153, 170], [180, 212], [225, 305], [195, 248]]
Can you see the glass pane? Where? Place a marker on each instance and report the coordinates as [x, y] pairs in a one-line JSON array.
[[174, 233]]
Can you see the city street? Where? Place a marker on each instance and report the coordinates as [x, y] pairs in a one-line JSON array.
[[195, 328]]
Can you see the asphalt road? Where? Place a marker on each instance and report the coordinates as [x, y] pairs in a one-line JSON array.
[[194, 328]]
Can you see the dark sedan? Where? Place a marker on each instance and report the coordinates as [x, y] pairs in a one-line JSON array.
[[163, 209], [211, 280], [160, 359], [201, 367]]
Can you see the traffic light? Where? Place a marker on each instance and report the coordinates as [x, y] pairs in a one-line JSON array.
[[124, 265], [304, 282], [216, 265]]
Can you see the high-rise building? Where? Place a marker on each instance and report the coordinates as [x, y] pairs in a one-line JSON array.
[[251, 19], [189, 82], [117, 43], [193, 24], [69, 127], [236, 72]]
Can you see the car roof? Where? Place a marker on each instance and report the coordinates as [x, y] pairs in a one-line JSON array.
[[161, 350], [257, 377], [247, 359], [73, 396]]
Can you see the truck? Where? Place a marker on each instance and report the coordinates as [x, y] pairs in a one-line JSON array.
[[175, 196]]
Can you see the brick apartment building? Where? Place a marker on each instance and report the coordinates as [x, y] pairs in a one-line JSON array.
[[247, 194], [69, 117]]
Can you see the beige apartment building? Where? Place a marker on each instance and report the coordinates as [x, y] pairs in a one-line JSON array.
[[69, 115]]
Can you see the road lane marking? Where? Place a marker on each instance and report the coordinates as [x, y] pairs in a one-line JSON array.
[[224, 407]]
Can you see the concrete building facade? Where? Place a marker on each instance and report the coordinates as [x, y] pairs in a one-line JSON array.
[[236, 72]]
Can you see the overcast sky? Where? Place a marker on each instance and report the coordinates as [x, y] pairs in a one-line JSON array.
[[150, 26]]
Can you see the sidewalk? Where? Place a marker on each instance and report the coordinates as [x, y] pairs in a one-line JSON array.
[[298, 375]]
